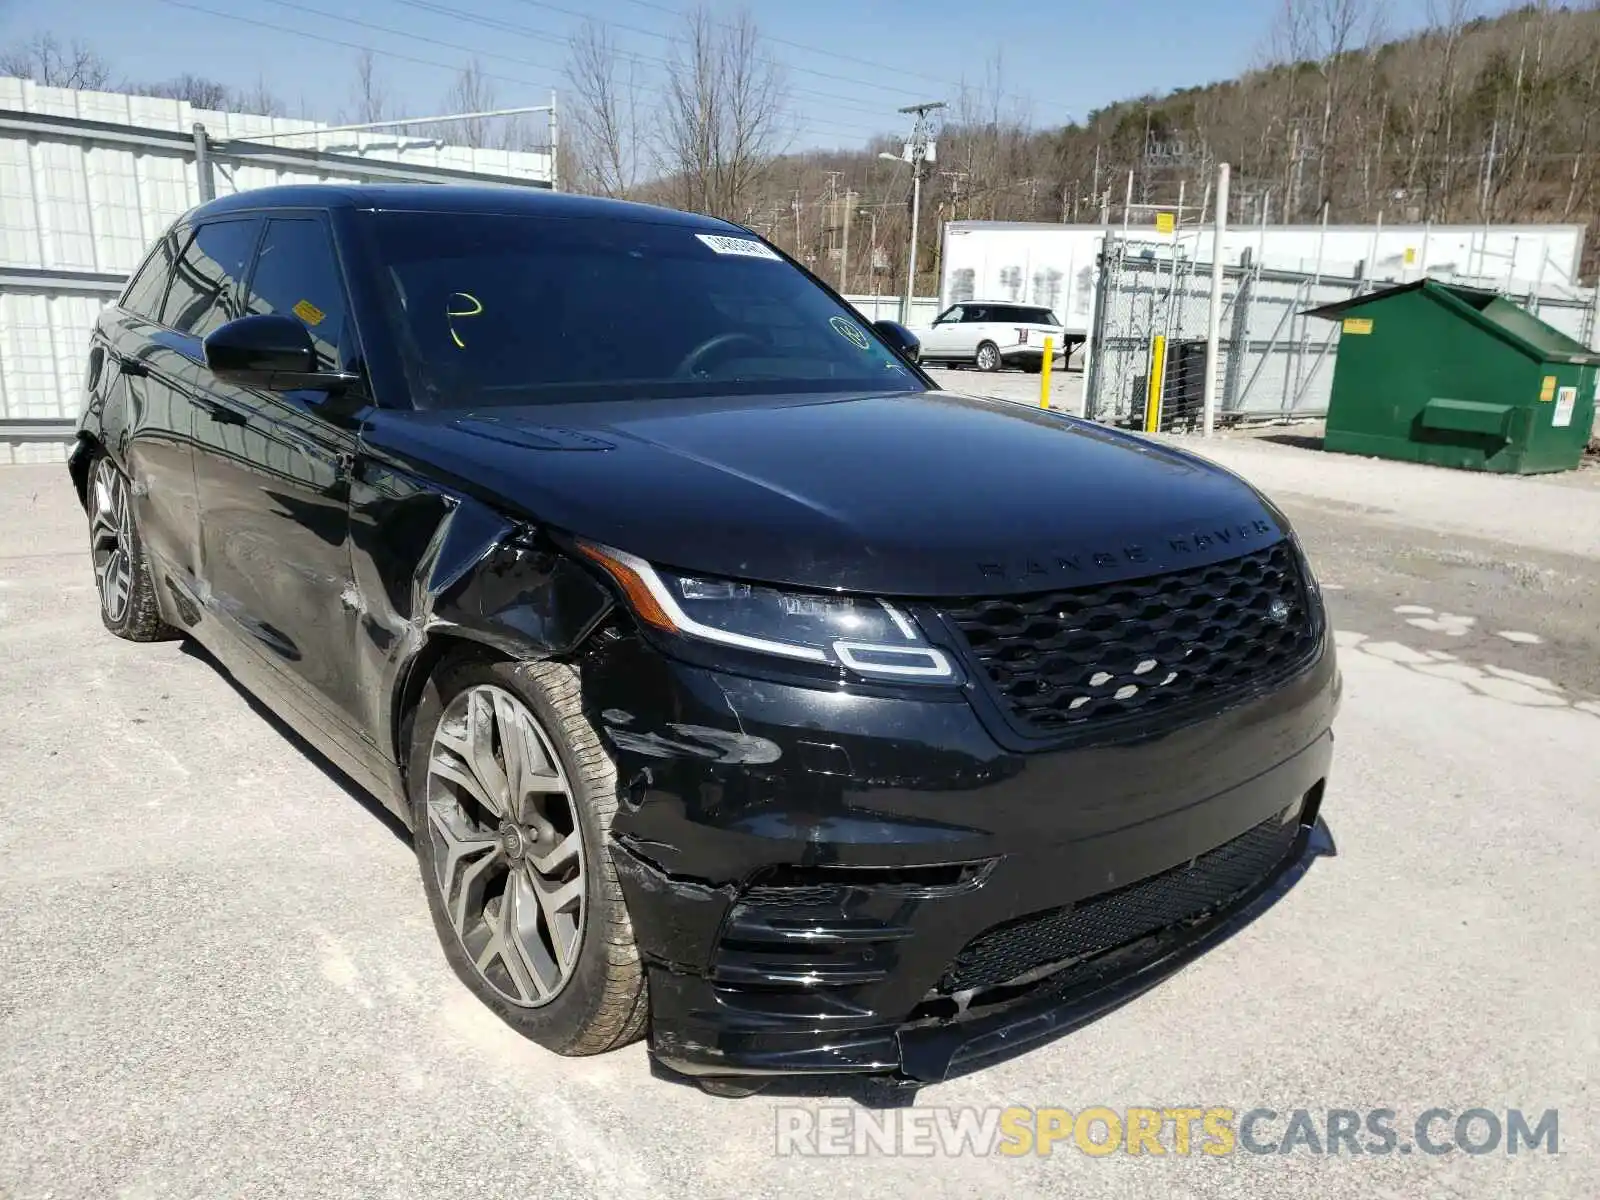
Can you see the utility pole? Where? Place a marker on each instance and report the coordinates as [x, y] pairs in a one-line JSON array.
[[919, 150], [872, 250], [844, 248], [1208, 408]]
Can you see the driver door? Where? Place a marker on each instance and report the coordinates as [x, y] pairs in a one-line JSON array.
[[272, 473], [940, 341]]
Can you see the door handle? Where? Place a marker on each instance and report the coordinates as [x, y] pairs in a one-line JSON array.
[[222, 414], [130, 367]]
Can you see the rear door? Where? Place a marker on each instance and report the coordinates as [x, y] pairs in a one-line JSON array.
[[272, 470], [148, 422], [974, 329]]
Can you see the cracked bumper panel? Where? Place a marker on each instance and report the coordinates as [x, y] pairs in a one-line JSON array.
[[822, 881]]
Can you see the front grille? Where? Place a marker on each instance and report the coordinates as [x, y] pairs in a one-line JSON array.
[[1062, 659], [1117, 918]]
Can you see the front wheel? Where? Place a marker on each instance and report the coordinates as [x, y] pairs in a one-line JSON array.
[[988, 357], [512, 798]]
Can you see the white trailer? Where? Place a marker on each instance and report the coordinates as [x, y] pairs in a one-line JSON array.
[[1054, 265]]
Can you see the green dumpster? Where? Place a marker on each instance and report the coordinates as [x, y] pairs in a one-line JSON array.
[[1458, 377]]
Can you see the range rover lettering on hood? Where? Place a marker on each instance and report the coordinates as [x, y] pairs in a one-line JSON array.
[[1086, 564]]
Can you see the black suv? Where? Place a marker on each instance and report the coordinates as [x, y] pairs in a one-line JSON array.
[[738, 685]]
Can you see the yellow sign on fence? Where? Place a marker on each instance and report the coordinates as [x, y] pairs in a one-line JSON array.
[[1357, 325], [1166, 222]]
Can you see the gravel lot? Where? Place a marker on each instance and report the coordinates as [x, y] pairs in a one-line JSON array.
[[219, 978]]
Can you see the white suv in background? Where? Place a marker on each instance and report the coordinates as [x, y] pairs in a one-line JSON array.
[[991, 335]]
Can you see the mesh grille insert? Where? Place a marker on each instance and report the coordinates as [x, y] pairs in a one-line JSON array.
[[1117, 918], [1065, 658]]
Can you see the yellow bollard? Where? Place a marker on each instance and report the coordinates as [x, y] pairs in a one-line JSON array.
[[1158, 370], [1044, 372]]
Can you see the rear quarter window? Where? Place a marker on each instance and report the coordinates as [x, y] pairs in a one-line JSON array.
[[144, 294]]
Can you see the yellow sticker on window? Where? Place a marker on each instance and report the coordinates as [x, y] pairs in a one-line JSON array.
[[1547, 390], [1358, 325], [309, 312]]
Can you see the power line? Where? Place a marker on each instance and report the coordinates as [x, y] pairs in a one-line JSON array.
[[808, 124], [834, 53], [333, 41], [667, 37], [636, 56]]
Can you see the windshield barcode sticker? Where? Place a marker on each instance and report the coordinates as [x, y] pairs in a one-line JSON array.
[[738, 247]]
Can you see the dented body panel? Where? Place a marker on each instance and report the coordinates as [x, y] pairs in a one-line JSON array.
[[852, 845]]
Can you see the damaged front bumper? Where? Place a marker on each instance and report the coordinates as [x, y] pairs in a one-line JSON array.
[[826, 882]]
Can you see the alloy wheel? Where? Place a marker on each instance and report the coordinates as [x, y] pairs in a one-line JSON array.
[[988, 356], [507, 844], [111, 539]]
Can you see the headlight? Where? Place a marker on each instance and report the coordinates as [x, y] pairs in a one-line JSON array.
[[869, 637]]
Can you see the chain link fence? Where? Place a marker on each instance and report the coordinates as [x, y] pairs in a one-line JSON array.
[[1148, 339]]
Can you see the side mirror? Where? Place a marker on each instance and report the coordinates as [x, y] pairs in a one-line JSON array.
[[901, 338], [270, 351]]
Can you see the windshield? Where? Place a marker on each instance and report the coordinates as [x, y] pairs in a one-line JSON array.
[[534, 310]]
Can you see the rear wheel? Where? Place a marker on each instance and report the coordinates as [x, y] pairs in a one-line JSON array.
[[513, 797], [988, 357], [121, 572]]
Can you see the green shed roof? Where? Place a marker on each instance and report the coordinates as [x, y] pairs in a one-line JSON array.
[[1488, 310]]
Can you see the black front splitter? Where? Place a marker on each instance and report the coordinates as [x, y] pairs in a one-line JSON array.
[[934, 1051]]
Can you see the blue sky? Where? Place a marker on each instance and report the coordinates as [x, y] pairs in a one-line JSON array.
[[851, 63]]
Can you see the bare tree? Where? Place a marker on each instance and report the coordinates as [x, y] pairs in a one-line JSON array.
[[472, 92], [46, 61], [196, 90], [371, 96], [259, 99], [724, 115], [603, 134]]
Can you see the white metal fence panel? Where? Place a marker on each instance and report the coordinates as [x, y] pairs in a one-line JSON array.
[[887, 308], [89, 179]]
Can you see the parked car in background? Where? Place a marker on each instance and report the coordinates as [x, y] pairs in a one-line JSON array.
[[990, 336], [740, 688]]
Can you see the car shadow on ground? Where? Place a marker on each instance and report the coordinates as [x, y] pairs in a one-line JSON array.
[[877, 1092], [312, 755]]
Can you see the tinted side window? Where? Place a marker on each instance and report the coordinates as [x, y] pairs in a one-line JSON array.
[[205, 287], [297, 275], [144, 293], [972, 315]]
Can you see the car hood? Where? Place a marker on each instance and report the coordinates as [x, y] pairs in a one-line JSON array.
[[909, 494]]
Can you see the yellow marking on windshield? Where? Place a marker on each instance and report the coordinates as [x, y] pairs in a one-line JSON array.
[[452, 312]]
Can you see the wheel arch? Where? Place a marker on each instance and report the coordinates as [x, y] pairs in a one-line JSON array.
[[80, 459], [438, 647]]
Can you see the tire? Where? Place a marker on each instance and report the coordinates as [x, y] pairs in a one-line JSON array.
[[988, 357], [123, 580], [732, 1087], [570, 981]]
